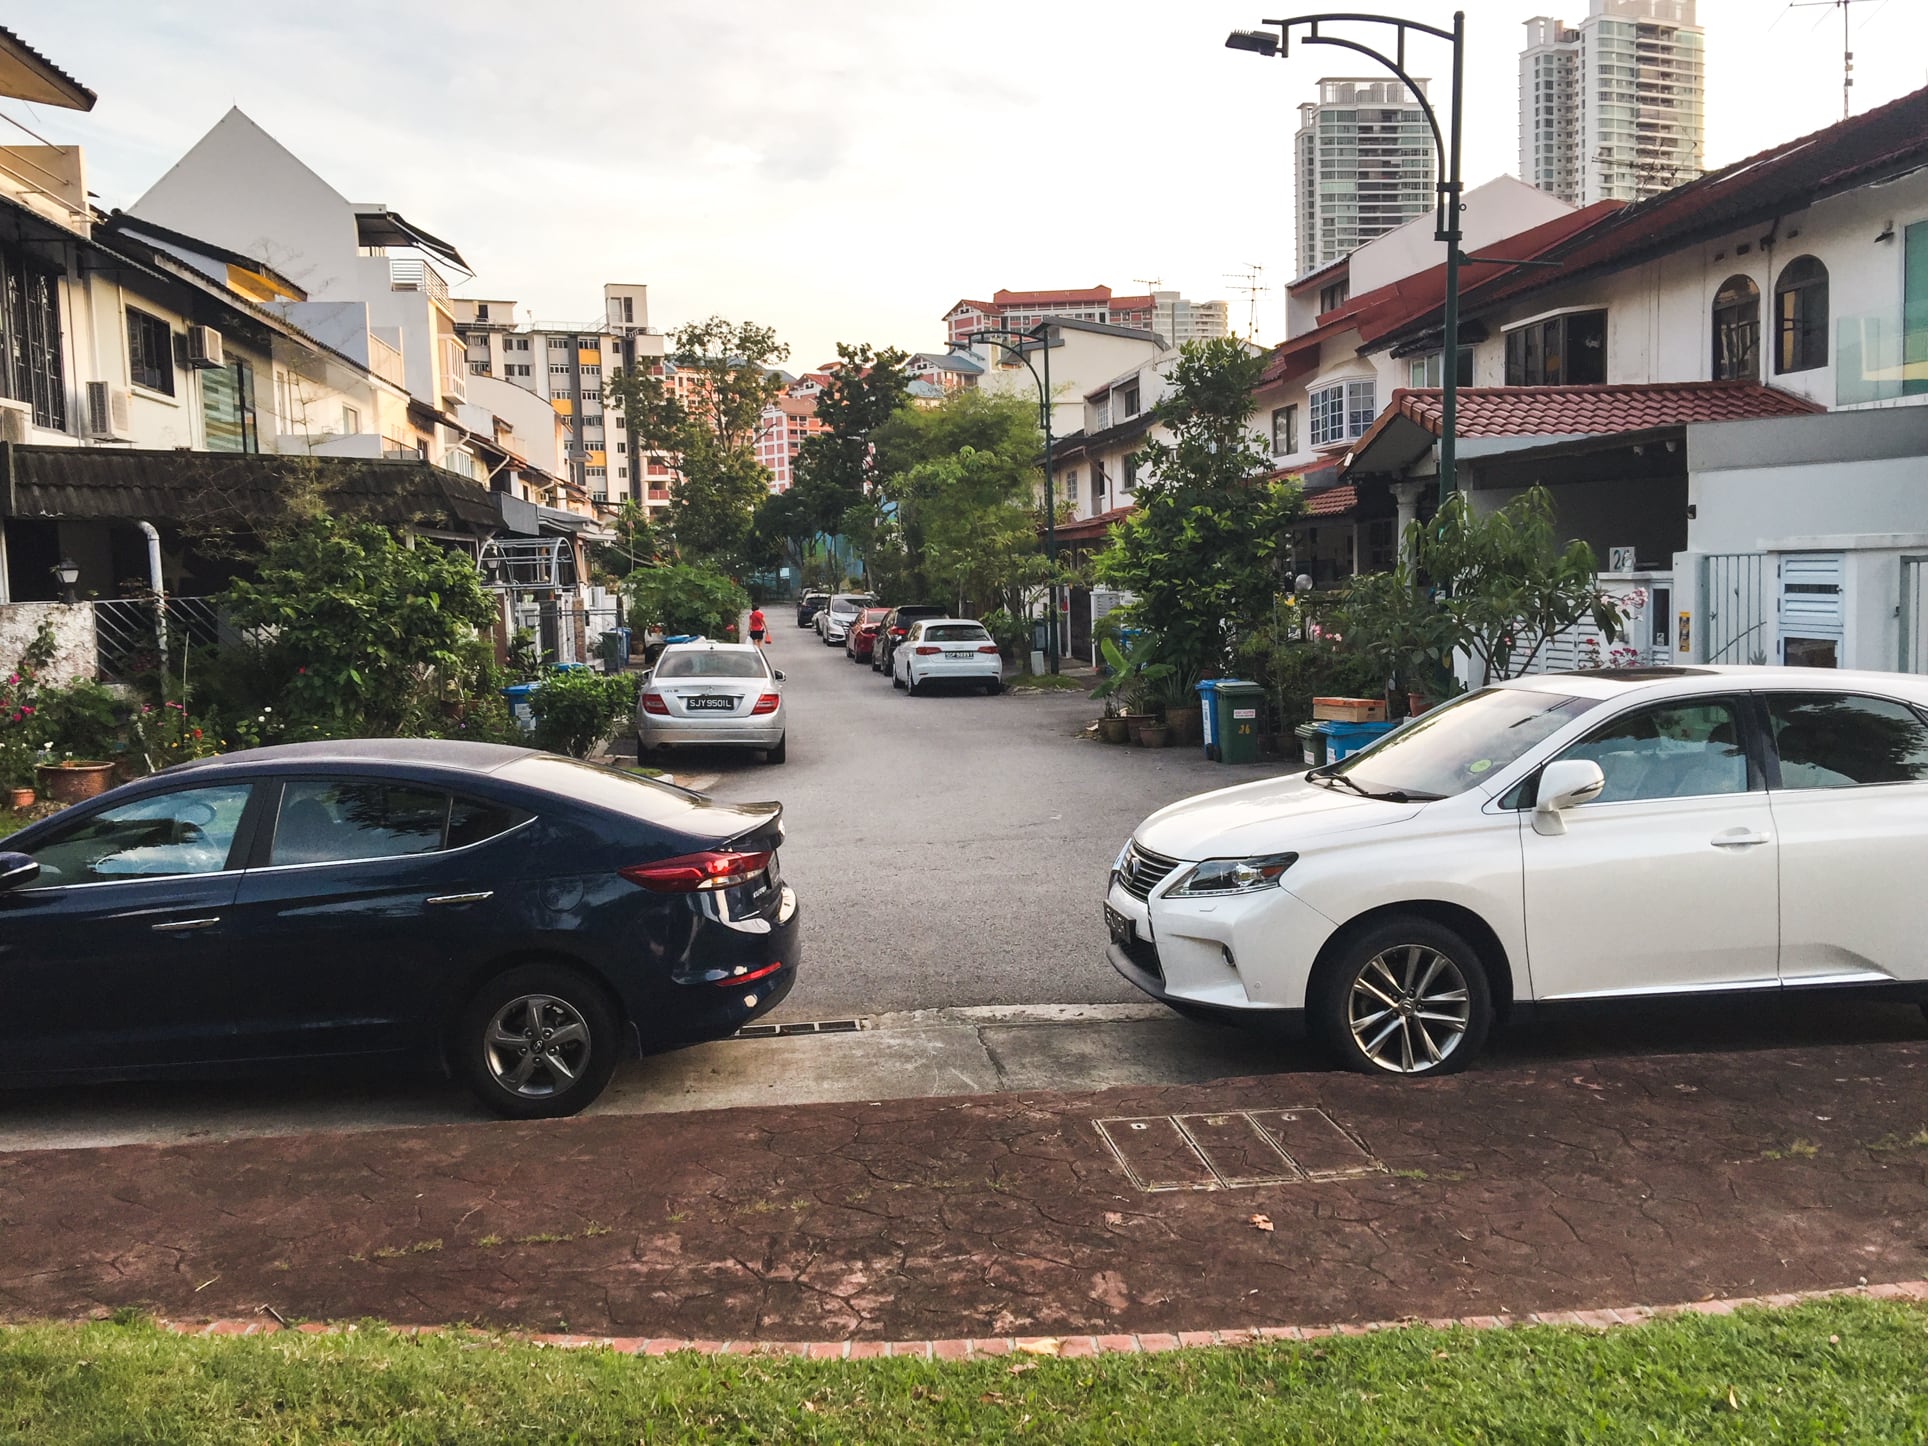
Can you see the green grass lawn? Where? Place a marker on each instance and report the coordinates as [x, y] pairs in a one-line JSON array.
[[1840, 1370]]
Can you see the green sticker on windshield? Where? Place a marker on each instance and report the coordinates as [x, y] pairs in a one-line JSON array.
[[1479, 765]]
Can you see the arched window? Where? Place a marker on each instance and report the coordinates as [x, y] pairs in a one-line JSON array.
[[1737, 331], [1801, 316]]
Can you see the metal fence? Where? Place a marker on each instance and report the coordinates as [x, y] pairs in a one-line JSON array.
[[1736, 624], [132, 635]]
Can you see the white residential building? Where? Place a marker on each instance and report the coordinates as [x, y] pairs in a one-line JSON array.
[[1082, 354], [1366, 164], [1611, 108], [1180, 321]]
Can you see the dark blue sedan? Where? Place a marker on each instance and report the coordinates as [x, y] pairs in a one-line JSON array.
[[519, 919]]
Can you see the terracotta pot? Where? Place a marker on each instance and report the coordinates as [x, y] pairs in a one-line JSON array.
[[1113, 728], [73, 782], [1152, 735], [20, 798], [1417, 703], [1186, 725]]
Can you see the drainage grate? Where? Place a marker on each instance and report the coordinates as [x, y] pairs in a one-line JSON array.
[[805, 1026], [1235, 1149]]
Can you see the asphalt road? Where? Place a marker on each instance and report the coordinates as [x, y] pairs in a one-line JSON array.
[[948, 849]]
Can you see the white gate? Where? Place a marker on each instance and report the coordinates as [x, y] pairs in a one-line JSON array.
[[1734, 620], [1914, 618], [1812, 608]]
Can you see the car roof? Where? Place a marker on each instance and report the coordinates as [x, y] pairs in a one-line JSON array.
[[925, 622], [450, 753], [1617, 682], [711, 645]]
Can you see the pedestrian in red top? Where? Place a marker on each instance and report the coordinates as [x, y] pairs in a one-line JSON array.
[[756, 626]]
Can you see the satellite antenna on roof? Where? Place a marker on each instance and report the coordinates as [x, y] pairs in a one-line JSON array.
[[1251, 286], [1847, 51]]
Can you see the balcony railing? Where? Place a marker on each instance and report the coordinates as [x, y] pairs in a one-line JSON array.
[[385, 361], [411, 274]]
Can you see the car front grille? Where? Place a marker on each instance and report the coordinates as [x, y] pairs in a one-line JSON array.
[[1144, 954], [1144, 871]]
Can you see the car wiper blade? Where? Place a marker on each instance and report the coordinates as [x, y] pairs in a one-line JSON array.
[[1383, 795]]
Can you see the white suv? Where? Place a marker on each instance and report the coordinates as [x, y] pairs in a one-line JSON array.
[[1578, 836]]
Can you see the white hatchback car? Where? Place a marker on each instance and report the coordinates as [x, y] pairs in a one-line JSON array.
[[1578, 836], [946, 650], [718, 694]]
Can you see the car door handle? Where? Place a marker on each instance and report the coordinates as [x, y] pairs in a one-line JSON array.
[[182, 926], [1739, 839], [475, 898]]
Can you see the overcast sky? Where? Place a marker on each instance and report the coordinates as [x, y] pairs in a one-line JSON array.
[[846, 170]]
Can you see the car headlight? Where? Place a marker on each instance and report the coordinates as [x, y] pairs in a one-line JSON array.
[[1217, 877]]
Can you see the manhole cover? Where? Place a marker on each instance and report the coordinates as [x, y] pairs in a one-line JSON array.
[[1235, 1149], [802, 1026]]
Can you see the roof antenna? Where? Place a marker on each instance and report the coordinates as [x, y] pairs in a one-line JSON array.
[[1847, 52], [1251, 287]]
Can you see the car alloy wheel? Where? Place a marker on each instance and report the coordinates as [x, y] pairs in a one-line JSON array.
[[538, 1041], [1409, 998]]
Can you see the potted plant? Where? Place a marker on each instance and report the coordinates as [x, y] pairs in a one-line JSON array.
[[81, 724], [1130, 677], [16, 769], [1153, 734]]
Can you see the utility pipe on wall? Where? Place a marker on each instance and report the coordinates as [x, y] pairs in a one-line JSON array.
[[157, 585]]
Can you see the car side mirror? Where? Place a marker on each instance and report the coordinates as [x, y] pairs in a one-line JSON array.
[[17, 869], [777, 674], [1565, 784]]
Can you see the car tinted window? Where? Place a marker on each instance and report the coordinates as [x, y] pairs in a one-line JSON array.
[[324, 822], [189, 831], [1835, 740], [711, 665], [956, 633], [1464, 743], [472, 820], [1686, 749]]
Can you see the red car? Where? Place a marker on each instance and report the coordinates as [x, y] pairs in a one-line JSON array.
[[862, 637]]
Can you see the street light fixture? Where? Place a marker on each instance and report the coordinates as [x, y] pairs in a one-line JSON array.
[[67, 572], [1446, 217], [1019, 344]]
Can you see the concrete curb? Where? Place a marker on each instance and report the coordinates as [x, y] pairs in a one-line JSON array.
[[1074, 1346]]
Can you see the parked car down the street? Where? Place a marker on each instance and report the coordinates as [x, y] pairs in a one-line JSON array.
[[838, 614], [860, 639], [519, 919], [713, 695], [897, 623], [1663, 832], [808, 606], [947, 650]]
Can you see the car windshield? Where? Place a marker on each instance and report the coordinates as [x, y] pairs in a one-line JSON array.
[[846, 604], [710, 665], [1455, 747], [956, 633]]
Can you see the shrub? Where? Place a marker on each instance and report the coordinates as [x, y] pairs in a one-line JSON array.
[[575, 709], [81, 720], [685, 598]]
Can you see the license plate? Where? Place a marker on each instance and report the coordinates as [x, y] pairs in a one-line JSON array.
[[965, 654], [1123, 931], [710, 705]]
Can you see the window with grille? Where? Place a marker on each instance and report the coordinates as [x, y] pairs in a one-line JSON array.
[[34, 368], [1737, 331], [1342, 411]]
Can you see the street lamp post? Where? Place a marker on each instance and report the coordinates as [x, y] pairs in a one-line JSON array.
[[1017, 343], [1446, 228]]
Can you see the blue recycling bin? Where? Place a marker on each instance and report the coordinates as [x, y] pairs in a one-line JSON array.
[[519, 697], [1208, 714], [1345, 739]]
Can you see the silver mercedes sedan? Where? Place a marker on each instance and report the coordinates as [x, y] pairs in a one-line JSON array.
[[714, 694]]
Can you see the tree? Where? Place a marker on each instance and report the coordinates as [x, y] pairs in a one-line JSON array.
[[635, 544], [954, 506], [366, 632], [686, 598], [865, 390], [1198, 552], [703, 411]]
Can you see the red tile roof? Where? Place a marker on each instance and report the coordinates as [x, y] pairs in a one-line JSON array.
[[1385, 309], [1566, 411], [1049, 298], [1086, 529], [1332, 502], [1132, 303]]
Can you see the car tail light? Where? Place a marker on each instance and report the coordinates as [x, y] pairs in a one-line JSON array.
[[925, 650], [715, 869], [766, 704], [987, 647], [653, 703], [745, 976], [898, 632]]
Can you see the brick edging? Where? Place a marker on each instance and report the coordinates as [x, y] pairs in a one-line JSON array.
[[266, 1322]]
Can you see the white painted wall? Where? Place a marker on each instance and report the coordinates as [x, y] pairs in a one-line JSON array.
[[1494, 210], [1084, 361]]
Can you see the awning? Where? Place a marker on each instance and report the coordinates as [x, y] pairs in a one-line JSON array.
[[26, 74], [233, 491], [379, 226]]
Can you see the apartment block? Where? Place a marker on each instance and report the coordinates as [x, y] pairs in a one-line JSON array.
[[1367, 164], [1612, 109]]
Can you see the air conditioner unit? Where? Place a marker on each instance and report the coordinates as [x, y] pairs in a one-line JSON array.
[[16, 420], [204, 347], [107, 412]]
